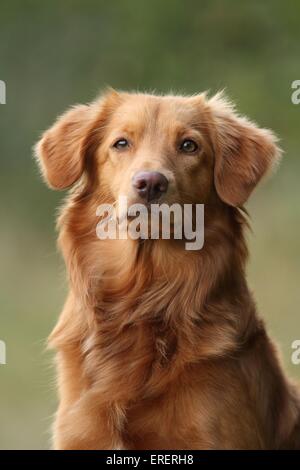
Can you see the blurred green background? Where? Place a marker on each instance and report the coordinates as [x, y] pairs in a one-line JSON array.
[[54, 54]]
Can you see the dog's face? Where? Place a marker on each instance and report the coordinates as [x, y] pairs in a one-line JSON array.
[[154, 150], [158, 149]]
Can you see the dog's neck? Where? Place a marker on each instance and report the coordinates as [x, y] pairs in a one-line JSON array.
[[161, 283], [155, 307]]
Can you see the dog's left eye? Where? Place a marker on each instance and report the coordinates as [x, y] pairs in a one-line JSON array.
[[188, 146], [121, 144]]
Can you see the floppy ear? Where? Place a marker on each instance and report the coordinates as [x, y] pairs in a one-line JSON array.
[[61, 150], [244, 153]]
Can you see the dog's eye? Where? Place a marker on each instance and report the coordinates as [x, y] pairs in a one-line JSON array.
[[121, 144], [188, 146]]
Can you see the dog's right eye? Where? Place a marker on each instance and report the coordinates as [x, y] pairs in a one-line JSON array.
[[121, 144]]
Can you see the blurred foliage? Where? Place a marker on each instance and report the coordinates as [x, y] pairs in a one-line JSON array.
[[54, 54]]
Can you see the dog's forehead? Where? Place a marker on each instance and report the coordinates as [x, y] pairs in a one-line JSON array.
[[142, 110]]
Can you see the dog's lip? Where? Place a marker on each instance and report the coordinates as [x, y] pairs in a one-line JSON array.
[[154, 202]]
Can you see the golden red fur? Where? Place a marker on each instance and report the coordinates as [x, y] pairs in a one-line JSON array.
[[159, 347]]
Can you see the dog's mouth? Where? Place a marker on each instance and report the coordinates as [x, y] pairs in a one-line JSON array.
[[142, 220], [152, 221]]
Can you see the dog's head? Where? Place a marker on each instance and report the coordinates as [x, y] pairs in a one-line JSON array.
[[158, 149]]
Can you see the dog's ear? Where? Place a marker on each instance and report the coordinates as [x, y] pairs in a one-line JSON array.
[[244, 153], [62, 149]]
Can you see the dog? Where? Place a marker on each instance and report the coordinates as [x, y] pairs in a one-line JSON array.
[[160, 347]]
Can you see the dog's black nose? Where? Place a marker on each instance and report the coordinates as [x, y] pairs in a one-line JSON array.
[[150, 185]]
